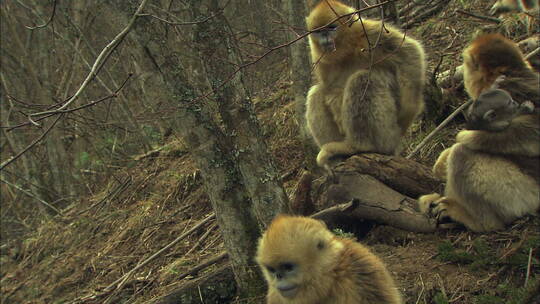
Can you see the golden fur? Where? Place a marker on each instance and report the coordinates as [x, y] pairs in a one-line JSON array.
[[320, 267], [490, 176], [365, 99]]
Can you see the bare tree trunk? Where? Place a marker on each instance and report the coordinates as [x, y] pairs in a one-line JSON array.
[[257, 171], [243, 185], [262, 179], [41, 93], [300, 71]]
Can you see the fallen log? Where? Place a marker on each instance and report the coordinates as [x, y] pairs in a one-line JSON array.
[[365, 188], [403, 175]]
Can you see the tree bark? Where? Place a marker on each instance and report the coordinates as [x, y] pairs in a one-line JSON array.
[[300, 68], [241, 181]]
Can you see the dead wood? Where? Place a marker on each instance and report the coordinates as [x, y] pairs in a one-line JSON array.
[[365, 188], [403, 175], [301, 203]]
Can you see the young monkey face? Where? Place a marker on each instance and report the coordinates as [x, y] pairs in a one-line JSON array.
[[325, 38], [494, 110], [293, 252]]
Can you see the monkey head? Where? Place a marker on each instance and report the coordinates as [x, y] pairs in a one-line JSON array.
[[494, 111], [488, 57], [330, 21], [293, 252]]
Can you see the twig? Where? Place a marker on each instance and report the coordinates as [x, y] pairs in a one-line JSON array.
[[343, 208], [92, 103], [427, 13], [110, 196], [203, 265], [438, 128], [275, 48], [487, 18], [528, 267], [201, 239], [33, 196], [532, 53], [421, 291], [105, 53], [182, 23], [7, 162], [48, 21]]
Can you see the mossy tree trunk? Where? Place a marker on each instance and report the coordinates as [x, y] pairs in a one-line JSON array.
[[220, 128]]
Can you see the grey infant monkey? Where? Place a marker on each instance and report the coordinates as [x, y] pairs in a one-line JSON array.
[[495, 109]]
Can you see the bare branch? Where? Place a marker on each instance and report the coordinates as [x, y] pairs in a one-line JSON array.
[[438, 128], [120, 282], [28, 193], [9, 161], [92, 103], [48, 21], [103, 56], [487, 18]]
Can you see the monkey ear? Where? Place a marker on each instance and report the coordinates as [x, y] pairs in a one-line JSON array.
[[490, 115]]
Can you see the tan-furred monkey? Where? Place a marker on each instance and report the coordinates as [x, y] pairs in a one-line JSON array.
[[370, 79], [304, 263], [492, 175]]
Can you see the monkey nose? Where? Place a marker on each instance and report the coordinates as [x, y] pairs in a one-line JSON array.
[[328, 46]]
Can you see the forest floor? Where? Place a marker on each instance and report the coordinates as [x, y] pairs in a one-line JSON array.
[[144, 208]]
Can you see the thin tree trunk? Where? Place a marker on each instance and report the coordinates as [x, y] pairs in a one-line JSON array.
[[300, 68], [239, 177]]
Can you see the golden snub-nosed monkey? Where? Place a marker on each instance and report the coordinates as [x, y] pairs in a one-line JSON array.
[[370, 78]]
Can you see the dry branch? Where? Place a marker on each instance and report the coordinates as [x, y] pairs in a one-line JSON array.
[[100, 60], [203, 265], [486, 18], [401, 174], [438, 128]]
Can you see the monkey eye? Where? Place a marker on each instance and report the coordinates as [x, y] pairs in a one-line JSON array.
[[287, 266], [320, 245], [331, 27], [271, 269]]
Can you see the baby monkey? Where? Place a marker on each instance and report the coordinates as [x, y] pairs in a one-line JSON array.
[[495, 109]]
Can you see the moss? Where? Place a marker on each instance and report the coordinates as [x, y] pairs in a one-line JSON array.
[[447, 253], [507, 294], [440, 298]]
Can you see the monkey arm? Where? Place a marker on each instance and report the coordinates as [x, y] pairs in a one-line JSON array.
[[319, 119], [440, 167]]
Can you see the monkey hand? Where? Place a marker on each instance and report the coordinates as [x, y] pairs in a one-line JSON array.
[[439, 210], [434, 206]]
